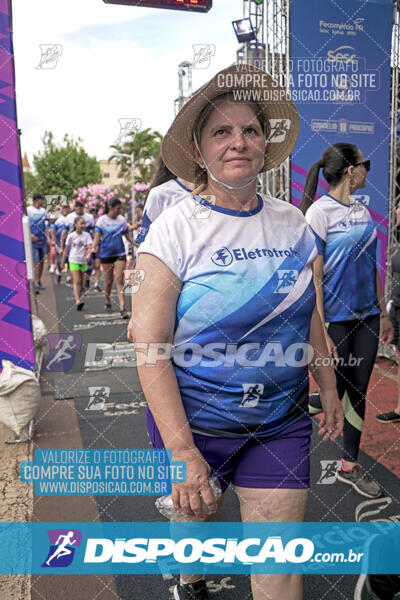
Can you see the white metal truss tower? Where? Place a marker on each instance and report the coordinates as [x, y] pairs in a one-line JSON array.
[[394, 172], [270, 50], [185, 84]]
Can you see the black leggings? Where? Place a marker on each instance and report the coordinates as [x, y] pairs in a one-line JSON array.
[[357, 344]]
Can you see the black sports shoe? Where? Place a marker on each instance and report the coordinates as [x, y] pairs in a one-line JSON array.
[[124, 314], [97, 288], [191, 591], [108, 308], [389, 417]]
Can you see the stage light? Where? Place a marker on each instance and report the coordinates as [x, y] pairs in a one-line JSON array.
[[191, 5], [244, 30]]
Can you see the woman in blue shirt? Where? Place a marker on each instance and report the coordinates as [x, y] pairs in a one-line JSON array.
[[349, 294], [109, 230]]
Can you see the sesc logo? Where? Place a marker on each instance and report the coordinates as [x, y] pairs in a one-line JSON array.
[[62, 547], [342, 54], [222, 257]]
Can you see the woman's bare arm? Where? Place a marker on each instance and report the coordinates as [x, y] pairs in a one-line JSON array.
[[153, 323]]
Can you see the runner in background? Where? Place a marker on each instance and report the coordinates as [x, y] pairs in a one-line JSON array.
[[89, 225], [165, 190], [52, 255], [109, 231], [39, 227], [95, 259], [78, 247], [349, 294], [55, 236]]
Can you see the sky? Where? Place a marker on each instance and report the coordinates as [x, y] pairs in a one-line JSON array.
[[116, 62]]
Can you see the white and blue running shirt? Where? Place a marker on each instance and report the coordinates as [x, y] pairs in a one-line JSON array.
[[89, 220], [38, 224], [59, 226], [346, 237], [112, 230], [243, 315], [161, 197]]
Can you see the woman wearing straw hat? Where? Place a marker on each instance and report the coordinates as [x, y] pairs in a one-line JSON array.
[[227, 306]]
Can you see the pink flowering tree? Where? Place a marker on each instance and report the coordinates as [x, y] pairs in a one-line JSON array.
[[95, 195]]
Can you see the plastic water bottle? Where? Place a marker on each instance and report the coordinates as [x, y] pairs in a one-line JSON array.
[[165, 505]]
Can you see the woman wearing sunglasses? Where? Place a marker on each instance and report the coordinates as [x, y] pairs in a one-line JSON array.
[[349, 294]]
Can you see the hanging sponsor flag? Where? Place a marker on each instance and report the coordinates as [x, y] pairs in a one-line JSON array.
[[16, 342], [340, 80]]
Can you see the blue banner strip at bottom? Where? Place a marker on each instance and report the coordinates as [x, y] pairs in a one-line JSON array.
[[218, 548]]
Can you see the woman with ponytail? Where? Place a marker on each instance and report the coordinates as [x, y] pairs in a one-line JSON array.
[[109, 229], [349, 294]]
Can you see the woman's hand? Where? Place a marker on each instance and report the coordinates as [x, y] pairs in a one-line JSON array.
[[188, 495], [332, 350], [331, 424], [129, 332], [386, 332]]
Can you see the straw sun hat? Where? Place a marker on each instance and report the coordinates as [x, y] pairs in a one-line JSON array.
[[278, 112]]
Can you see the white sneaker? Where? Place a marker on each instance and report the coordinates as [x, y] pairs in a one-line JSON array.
[[52, 269]]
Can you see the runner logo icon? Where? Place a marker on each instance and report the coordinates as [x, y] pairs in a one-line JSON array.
[[222, 257], [328, 471], [286, 280], [63, 543], [279, 129], [251, 394]]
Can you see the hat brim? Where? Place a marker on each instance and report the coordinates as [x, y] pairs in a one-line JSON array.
[[258, 86]]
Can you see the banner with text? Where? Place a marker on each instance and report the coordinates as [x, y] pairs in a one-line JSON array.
[[340, 82]]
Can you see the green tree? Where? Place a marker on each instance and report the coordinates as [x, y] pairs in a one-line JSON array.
[[30, 183], [62, 168], [145, 145]]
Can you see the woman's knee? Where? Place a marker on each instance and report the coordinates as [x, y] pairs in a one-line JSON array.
[[257, 504]]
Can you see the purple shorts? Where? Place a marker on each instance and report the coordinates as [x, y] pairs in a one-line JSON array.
[[280, 462]]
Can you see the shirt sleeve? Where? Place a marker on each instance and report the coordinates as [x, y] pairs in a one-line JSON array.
[[160, 243], [97, 226], [144, 228], [68, 240], [318, 223]]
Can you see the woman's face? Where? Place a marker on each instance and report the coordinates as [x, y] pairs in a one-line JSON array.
[[80, 225], [359, 174], [232, 143], [114, 211]]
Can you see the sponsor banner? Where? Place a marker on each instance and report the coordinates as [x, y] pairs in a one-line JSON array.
[[16, 341], [340, 82], [72, 472], [218, 548]]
